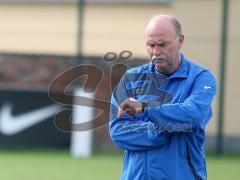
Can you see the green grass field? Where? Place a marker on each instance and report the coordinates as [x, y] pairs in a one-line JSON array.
[[59, 165]]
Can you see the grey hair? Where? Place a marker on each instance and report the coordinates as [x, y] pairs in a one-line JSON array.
[[177, 26]]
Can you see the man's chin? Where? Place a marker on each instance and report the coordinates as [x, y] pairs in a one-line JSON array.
[[160, 63]]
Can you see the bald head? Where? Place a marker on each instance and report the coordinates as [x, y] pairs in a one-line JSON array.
[[166, 22]]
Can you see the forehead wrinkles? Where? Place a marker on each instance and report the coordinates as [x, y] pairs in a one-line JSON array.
[[158, 34], [157, 39]]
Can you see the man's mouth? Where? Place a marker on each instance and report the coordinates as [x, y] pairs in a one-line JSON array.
[[158, 60]]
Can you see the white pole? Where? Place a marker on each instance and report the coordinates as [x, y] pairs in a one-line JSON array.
[[81, 141]]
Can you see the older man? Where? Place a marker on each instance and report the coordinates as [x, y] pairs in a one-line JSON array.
[[160, 110]]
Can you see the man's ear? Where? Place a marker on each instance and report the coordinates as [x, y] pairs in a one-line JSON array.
[[181, 40]]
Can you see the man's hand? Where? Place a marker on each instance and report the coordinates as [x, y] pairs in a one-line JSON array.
[[130, 106]]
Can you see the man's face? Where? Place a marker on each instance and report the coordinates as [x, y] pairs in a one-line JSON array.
[[163, 47]]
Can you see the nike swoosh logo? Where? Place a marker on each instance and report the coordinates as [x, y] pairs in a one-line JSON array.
[[10, 125], [207, 87]]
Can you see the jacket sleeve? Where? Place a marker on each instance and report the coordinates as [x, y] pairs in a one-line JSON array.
[[134, 132], [193, 113]]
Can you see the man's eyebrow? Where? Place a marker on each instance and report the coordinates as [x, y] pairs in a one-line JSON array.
[[158, 42]]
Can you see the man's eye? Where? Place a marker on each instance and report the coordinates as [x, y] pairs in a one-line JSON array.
[[162, 44]]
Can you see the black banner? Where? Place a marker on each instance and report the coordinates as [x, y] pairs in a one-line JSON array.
[[27, 120]]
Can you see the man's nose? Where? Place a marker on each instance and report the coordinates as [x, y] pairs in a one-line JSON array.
[[157, 50]]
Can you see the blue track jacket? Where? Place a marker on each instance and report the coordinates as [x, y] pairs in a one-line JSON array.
[[166, 142]]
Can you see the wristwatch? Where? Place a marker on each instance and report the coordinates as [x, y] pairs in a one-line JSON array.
[[144, 104], [150, 103]]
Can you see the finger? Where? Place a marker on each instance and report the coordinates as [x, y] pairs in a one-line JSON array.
[[130, 111], [125, 106], [120, 112]]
